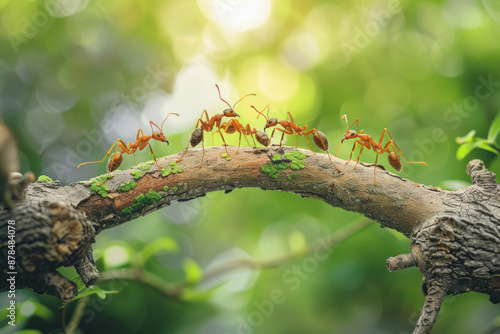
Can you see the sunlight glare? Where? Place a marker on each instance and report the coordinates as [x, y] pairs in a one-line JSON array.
[[237, 15]]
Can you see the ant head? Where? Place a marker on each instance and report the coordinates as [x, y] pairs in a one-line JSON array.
[[270, 123], [230, 113], [158, 135], [350, 134]]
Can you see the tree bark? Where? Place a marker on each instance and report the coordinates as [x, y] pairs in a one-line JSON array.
[[455, 236]]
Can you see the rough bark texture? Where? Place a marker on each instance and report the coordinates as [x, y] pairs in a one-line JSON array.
[[458, 250], [455, 236]]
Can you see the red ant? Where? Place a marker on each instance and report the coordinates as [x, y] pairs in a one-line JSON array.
[[208, 125], [235, 126], [368, 142], [289, 128], [142, 140]]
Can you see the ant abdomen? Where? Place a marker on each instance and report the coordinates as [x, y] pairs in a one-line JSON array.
[[262, 138], [394, 160], [196, 137], [230, 129], [320, 140], [115, 160]]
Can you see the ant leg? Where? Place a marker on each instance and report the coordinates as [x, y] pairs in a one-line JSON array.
[[225, 145], [111, 163], [357, 159], [363, 145], [203, 151], [394, 147], [375, 168], [330, 157], [246, 138], [120, 143], [154, 157], [133, 155], [322, 148], [352, 151], [195, 127], [212, 133], [187, 148], [281, 140], [104, 179], [254, 142], [404, 170], [289, 132], [239, 144], [409, 162], [310, 146], [337, 149], [239, 141]]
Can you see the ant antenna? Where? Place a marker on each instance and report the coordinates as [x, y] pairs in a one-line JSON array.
[[151, 123], [346, 123], [161, 130], [260, 112], [220, 97], [234, 106]]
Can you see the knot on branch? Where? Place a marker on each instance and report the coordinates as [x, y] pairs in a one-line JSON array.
[[12, 187], [47, 235], [481, 176], [454, 256], [461, 255]]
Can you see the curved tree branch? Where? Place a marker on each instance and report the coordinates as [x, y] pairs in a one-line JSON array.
[[394, 202], [455, 236]]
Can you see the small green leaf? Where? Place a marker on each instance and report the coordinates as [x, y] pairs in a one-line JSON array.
[[79, 283], [488, 147], [467, 138], [193, 271], [94, 290], [494, 129], [193, 295], [165, 244], [465, 149], [98, 291]]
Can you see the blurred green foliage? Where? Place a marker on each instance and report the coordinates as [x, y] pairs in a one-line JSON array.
[[469, 142], [76, 75]]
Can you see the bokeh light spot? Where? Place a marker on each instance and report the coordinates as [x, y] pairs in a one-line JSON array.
[[28, 309], [237, 15], [116, 256], [65, 8], [301, 50]]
